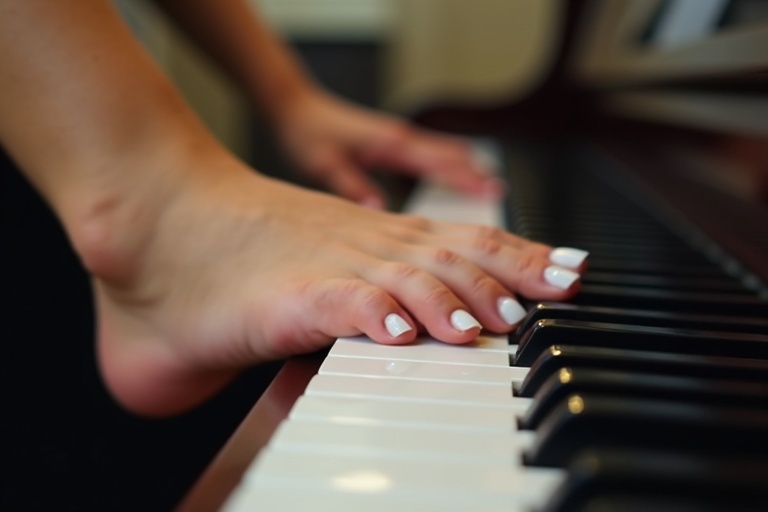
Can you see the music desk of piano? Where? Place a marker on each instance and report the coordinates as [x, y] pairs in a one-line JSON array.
[[678, 276]]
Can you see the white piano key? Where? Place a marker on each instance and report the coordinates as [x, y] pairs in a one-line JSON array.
[[394, 368], [400, 443], [436, 416], [416, 390], [434, 352], [490, 483], [272, 500], [447, 205], [492, 342]]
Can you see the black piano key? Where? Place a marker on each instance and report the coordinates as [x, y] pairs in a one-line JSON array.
[[747, 395], [634, 481], [567, 311], [665, 256], [689, 503], [584, 421], [546, 333], [742, 304], [665, 282], [650, 267], [555, 358]]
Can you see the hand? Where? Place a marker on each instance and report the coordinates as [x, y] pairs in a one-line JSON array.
[[336, 142]]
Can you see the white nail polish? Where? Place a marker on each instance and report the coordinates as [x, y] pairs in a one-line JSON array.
[[511, 310], [560, 277], [396, 325], [568, 257], [463, 321]]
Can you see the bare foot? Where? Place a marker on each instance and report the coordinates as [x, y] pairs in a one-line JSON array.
[[236, 269]]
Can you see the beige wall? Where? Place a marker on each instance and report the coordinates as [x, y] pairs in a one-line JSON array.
[[468, 50], [478, 51]]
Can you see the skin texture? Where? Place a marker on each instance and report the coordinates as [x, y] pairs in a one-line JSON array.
[[202, 266]]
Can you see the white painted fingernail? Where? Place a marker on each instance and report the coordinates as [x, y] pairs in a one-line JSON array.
[[463, 321], [560, 277], [511, 310], [396, 325], [568, 257]]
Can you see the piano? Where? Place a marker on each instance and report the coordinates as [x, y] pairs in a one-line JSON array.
[[649, 390]]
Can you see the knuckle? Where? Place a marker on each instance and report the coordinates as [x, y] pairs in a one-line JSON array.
[[487, 247], [404, 271], [489, 232], [438, 296], [347, 288], [524, 264], [481, 284], [374, 299], [416, 223], [446, 257]]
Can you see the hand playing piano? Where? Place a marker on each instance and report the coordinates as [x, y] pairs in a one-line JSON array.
[[336, 142]]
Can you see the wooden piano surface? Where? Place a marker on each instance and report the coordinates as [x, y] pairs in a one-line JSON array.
[[225, 471]]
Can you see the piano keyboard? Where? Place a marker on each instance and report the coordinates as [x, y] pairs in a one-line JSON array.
[[649, 391]]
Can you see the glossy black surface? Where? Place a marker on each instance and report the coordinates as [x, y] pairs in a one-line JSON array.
[[700, 391], [660, 363], [657, 318], [634, 481], [597, 421], [546, 333]]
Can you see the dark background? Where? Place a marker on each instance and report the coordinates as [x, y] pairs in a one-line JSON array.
[[65, 444]]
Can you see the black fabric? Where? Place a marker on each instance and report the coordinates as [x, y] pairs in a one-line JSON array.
[[65, 444]]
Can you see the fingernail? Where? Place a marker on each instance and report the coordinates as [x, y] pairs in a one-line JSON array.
[[560, 277], [463, 321], [568, 257], [511, 310], [396, 325]]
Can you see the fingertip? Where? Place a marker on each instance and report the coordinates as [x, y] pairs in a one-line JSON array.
[[568, 257], [374, 202], [561, 278], [511, 311], [397, 326], [464, 322]]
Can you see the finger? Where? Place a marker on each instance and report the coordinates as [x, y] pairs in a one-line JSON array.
[[531, 275], [463, 175], [490, 302], [448, 160], [350, 307], [566, 257], [431, 302], [493, 233], [347, 180], [350, 182]]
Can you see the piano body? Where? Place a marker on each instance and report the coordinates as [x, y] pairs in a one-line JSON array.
[[649, 391]]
